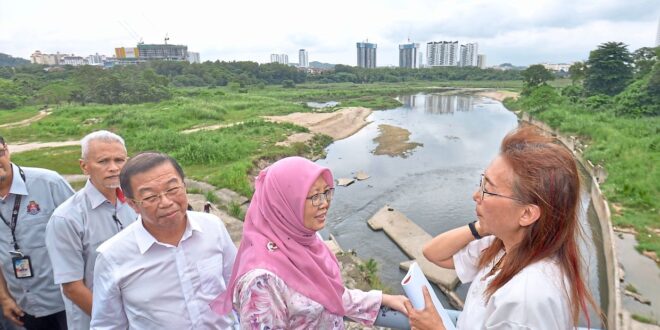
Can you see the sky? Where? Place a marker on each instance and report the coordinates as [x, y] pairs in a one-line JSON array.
[[518, 32]]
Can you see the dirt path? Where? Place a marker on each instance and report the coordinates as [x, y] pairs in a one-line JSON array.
[[26, 122], [22, 147]]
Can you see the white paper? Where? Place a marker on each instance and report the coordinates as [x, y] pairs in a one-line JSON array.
[[412, 285]]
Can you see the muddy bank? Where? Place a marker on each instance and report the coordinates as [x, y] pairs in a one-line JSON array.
[[393, 141], [338, 125]]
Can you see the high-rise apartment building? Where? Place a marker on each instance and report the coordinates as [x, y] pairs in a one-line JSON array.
[[193, 57], [408, 56], [657, 35], [303, 59], [366, 55], [442, 53], [481, 61], [47, 59], [279, 58], [469, 53]]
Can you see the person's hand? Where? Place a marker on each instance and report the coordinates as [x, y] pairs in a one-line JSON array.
[[395, 302], [11, 311], [427, 318]]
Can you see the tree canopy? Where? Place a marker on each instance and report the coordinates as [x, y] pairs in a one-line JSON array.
[[609, 69]]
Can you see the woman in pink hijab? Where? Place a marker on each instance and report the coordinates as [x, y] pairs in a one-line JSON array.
[[284, 276]]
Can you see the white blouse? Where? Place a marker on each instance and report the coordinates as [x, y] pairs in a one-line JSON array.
[[535, 298]]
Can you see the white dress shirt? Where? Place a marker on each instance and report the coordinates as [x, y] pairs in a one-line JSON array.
[[75, 230], [535, 298], [140, 283]]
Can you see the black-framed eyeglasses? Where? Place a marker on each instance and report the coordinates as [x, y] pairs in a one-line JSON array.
[[482, 187], [318, 199], [155, 199]]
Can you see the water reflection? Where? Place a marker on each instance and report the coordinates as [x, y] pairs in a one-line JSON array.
[[438, 104]]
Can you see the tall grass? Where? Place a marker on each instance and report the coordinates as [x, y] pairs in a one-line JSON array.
[[629, 149]]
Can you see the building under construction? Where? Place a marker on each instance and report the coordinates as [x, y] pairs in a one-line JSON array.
[[152, 52]]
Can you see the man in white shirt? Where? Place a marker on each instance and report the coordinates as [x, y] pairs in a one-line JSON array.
[[87, 219], [162, 271]]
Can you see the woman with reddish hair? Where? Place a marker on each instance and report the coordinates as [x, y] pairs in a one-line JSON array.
[[521, 254]]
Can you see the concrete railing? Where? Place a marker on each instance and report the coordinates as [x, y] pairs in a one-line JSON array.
[[598, 176]]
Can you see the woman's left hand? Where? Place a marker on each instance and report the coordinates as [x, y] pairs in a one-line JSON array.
[[395, 302]]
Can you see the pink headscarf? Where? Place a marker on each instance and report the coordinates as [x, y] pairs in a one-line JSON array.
[[275, 215]]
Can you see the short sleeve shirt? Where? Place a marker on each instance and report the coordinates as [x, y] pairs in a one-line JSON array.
[[42, 191], [74, 232], [535, 298]]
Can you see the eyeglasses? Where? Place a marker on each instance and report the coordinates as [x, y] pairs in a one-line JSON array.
[[153, 200], [3, 152], [482, 188], [318, 199]]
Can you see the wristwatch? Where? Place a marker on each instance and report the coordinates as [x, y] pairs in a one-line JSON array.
[[474, 231]]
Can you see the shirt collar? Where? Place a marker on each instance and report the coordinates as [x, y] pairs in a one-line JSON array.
[[145, 240], [94, 195], [18, 186]]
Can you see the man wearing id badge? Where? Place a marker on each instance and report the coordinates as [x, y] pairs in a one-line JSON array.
[[28, 197], [86, 220]]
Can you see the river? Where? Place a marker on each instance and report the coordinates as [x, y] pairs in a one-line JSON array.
[[432, 183]]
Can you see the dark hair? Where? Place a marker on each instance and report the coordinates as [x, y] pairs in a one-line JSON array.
[[2, 140], [546, 175], [141, 163]]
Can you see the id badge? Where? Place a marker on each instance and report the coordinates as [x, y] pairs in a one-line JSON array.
[[22, 267]]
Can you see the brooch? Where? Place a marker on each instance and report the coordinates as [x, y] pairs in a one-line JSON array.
[[271, 246]]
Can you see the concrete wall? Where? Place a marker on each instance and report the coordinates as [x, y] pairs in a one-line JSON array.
[[598, 175]]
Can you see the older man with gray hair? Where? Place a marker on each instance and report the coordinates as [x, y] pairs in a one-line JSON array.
[[87, 219]]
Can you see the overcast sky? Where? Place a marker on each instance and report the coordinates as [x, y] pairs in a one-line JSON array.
[[519, 32]]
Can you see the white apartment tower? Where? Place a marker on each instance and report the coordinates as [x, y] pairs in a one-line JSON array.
[[279, 58], [408, 56], [469, 53], [442, 53], [303, 59], [366, 55], [481, 61]]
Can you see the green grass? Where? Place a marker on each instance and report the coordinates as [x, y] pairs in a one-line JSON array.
[[223, 157], [63, 160], [643, 319], [12, 116], [629, 149]]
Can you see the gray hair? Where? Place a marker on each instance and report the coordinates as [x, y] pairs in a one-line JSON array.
[[102, 135]]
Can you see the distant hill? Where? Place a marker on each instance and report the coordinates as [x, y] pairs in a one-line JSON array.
[[509, 66], [319, 65], [8, 60]]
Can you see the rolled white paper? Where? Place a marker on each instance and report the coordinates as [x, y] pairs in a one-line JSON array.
[[412, 285]]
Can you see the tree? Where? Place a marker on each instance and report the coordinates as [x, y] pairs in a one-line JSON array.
[[609, 69], [577, 71], [534, 76], [644, 59]]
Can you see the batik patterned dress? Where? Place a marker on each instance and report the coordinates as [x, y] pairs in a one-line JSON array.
[[264, 301]]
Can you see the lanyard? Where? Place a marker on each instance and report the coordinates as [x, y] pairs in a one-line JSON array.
[[14, 213], [119, 224]]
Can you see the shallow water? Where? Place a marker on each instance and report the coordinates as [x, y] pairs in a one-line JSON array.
[[432, 184]]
